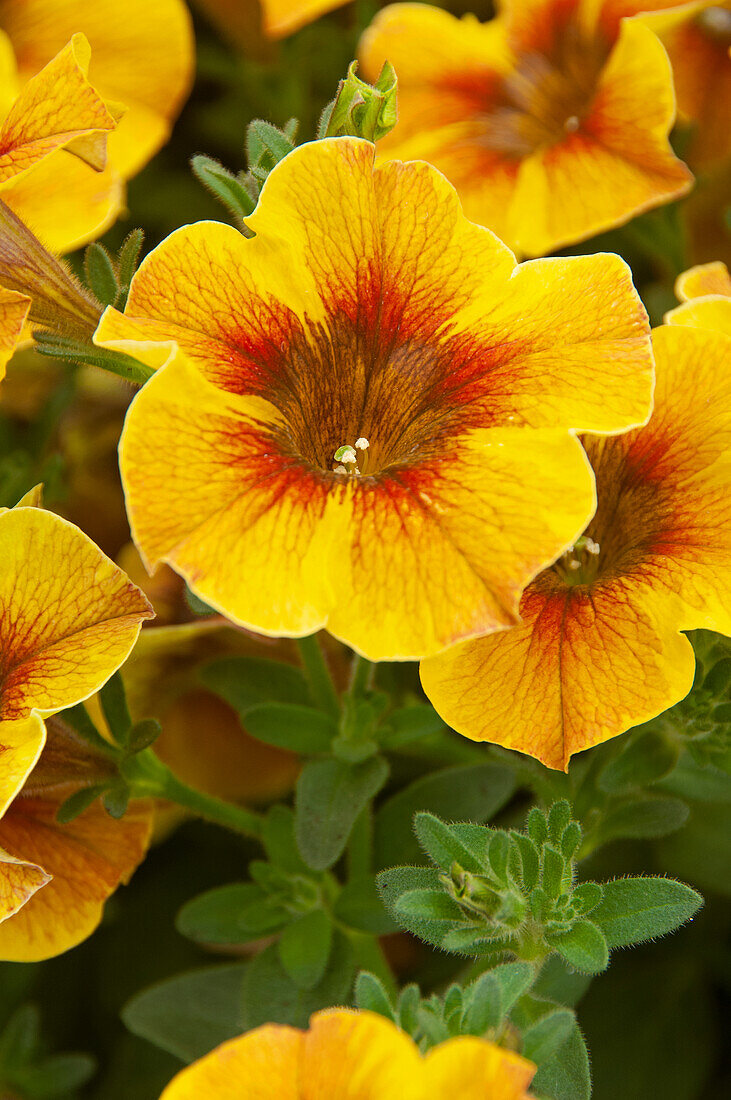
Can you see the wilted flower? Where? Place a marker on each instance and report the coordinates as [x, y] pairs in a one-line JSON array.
[[68, 618], [351, 1056], [367, 423], [600, 648], [551, 121]]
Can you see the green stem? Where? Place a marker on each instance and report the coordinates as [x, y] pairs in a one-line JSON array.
[[148, 777], [361, 675], [318, 675], [360, 845]]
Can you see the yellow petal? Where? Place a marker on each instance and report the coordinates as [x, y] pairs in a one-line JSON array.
[[14, 310], [69, 615], [259, 1066], [58, 107], [474, 1069], [142, 57], [712, 312], [703, 279], [359, 1056], [21, 742], [19, 881], [86, 861], [65, 202]]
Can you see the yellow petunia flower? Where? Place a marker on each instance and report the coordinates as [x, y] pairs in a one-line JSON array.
[[705, 294], [68, 618], [351, 1056], [243, 20], [600, 649], [367, 424], [142, 59], [551, 121]]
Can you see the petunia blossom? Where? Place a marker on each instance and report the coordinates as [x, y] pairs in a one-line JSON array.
[[68, 618], [600, 648], [551, 121], [351, 1056], [365, 416], [705, 295], [142, 60]]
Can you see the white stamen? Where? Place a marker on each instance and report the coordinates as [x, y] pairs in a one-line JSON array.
[[340, 470], [362, 444]]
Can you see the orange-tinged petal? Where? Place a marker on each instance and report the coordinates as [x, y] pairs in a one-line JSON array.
[[359, 1056], [142, 57], [21, 743], [282, 17], [261, 1065], [477, 1070], [602, 652], [381, 314], [69, 616], [19, 881], [65, 202], [14, 309], [58, 107], [86, 860], [616, 166], [703, 279], [581, 668], [573, 323]]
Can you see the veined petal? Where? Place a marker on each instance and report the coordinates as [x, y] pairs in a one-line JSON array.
[[86, 861], [19, 881], [14, 310], [58, 107], [581, 668], [599, 649], [428, 556], [562, 326], [21, 743], [474, 1069], [142, 57], [69, 615], [359, 1056]]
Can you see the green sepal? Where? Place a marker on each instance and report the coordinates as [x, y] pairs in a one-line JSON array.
[[143, 734], [113, 699], [362, 110], [115, 799], [55, 346], [444, 846], [100, 274], [128, 259], [371, 996], [223, 185], [78, 802], [583, 946], [265, 142]]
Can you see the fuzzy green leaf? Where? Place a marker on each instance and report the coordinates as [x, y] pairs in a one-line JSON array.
[[304, 948], [330, 795], [371, 996], [637, 909]]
